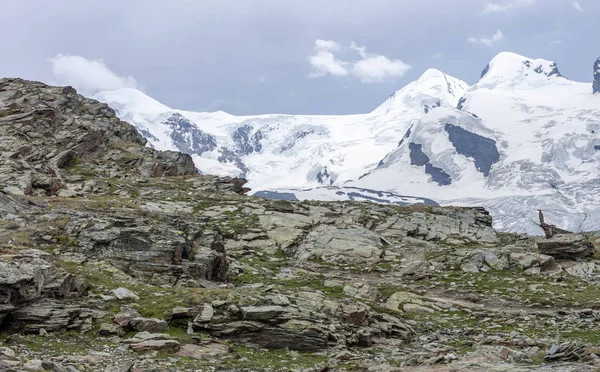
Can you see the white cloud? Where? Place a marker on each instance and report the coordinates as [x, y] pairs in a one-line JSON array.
[[576, 5], [88, 76], [556, 42], [369, 68], [437, 56], [497, 7], [325, 63], [487, 40], [378, 68]]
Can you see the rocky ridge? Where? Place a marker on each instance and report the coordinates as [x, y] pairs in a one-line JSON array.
[[596, 84], [125, 259]]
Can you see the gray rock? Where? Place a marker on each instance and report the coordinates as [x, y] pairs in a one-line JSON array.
[[206, 314], [148, 324], [280, 300], [204, 351], [261, 312], [331, 244], [525, 261], [51, 315], [108, 330], [417, 309], [152, 345], [571, 246], [124, 294], [483, 260]]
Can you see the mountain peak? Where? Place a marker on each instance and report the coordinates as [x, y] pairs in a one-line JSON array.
[[432, 73], [131, 99], [514, 70], [432, 89]]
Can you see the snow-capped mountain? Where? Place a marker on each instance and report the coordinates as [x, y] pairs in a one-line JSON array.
[[522, 138], [275, 151]]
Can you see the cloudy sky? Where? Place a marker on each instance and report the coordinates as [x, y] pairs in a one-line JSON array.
[[293, 56]]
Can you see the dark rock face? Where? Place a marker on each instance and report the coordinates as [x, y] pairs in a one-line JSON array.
[[406, 136], [596, 84], [228, 156], [297, 136], [539, 69], [188, 138], [324, 177], [246, 142], [485, 70], [461, 103], [418, 157], [427, 108], [483, 150]]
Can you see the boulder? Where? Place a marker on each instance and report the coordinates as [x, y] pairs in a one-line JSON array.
[[568, 246], [108, 330], [527, 261], [124, 294], [484, 260], [148, 324], [206, 314]]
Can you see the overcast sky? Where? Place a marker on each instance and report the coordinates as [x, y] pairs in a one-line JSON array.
[[284, 56]]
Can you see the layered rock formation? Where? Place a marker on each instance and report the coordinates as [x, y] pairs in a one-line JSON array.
[[46, 131], [134, 262]]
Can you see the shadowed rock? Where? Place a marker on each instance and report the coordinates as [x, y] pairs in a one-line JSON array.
[[596, 84], [571, 246]]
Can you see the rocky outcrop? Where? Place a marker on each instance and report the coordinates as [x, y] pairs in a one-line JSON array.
[[27, 277], [162, 252], [596, 83], [571, 246], [311, 322], [47, 131]]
